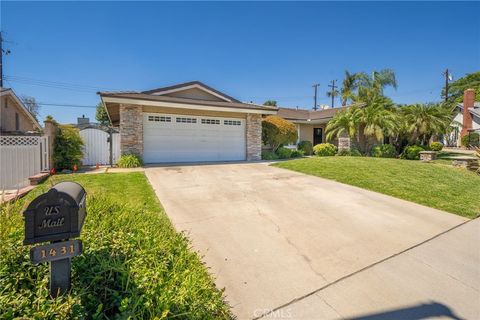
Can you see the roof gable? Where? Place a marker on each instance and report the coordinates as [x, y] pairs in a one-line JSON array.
[[20, 105], [194, 90]]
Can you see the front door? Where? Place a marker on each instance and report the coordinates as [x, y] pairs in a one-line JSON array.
[[317, 136]]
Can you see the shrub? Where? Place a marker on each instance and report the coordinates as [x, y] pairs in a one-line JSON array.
[[283, 153], [471, 140], [306, 147], [269, 155], [384, 151], [412, 152], [131, 268], [349, 153], [297, 154], [129, 161], [277, 131], [324, 150], [436, 146], [67, 150]]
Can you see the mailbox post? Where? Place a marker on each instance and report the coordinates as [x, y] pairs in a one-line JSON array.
[[56, 216]]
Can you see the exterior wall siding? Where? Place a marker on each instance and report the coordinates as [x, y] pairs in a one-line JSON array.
[[306, 131], [131, 129], [254, 137], [8, 109]]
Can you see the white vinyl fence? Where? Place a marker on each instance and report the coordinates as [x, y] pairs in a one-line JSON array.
[[97, 148], [20, 158]]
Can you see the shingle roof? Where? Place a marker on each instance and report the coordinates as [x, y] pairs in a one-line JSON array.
[[304, 115], [150, 97]]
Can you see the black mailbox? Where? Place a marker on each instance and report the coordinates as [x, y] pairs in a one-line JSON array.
[[56, 215]]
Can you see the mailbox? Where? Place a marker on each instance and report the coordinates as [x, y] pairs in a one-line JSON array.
[[56, 215]]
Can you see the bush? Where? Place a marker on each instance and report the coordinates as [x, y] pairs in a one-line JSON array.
[[349, 153], [412, 152], [269, 155], [306, 147], [436, 146], [471, 140], [297, 154], [131, 268], [324, 150], [129, 161], [283, 153], [277, 131], [384, 151], [67, 150]]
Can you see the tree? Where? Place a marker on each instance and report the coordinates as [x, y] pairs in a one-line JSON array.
[[271, 103], [344, 122], [101, 115], [32, 106], [424, 120], [277, 131], [67, 148], [349, 85], [456, 88], [372, 85]]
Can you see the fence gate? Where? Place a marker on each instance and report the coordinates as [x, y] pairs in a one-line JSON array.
[[96, 147], [20, 158]]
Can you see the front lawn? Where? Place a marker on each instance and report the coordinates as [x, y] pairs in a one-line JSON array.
[[134, 265], [450, 189]]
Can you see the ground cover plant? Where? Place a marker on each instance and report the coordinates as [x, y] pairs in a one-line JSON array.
[[134, 265], [129, 161], [442, 187]]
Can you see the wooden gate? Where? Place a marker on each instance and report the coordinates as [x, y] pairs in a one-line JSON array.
[[96, 148]]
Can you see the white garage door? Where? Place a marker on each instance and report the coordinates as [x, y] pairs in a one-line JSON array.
[[185, 138]]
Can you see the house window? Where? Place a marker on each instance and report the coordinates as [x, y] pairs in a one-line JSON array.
[[186, 120], [17, 122], [159, 119], [210, 121], [232, 122]]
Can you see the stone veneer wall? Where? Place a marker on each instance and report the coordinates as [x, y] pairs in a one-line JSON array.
[[254, 137], [131, 129]]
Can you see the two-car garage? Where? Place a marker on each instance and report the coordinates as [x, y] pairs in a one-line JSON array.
[[187, 122], [187, 138]]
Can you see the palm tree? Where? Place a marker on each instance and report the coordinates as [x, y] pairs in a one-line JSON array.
[[373, 85], [425, 120], [344, 122], [378, 120], [349, 85]]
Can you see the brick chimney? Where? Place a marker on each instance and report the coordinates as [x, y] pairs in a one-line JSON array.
[[468, 102]]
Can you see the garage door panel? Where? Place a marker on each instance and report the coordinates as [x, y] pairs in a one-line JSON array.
[[213, 139]]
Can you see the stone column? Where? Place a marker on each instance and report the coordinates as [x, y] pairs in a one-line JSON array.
[[254, 136], [50, 132], [131, 129]]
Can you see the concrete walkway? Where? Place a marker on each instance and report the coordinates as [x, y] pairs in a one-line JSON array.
[[274, 238]]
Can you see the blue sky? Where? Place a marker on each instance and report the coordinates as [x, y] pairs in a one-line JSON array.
[[253, 51]]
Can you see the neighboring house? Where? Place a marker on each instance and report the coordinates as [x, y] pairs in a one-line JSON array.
[[188, 122], [467, 118], [15, 119], [311, 125]]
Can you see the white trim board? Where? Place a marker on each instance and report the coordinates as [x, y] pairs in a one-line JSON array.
[[184, 106]]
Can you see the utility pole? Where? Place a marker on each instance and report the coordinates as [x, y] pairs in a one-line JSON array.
[[315, 97], [334, 87], [447, 79], [2, 52]]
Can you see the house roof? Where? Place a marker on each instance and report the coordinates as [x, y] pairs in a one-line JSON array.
[[23, 108], [307, 115], [169, 97], [190, 84], [475, 111]]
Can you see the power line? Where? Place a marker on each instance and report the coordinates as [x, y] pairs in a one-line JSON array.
[[333, 92], [64, 105]]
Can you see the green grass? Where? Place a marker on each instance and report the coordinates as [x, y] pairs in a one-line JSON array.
[[454, 190], [134, 265]]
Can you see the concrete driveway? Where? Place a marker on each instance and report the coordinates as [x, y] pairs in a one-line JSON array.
[[275, 239]]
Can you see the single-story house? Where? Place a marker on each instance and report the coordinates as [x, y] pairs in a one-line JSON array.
[[15, 119], [466, 119], [187, 122], [311, 124]]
